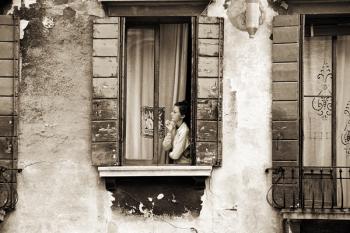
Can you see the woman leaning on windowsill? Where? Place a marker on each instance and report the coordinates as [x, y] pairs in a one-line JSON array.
[[177, 138]]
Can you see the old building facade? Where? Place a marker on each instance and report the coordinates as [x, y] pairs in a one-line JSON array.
[[82, 152]]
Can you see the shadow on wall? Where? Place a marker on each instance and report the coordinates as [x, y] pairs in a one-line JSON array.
[[149, 196]]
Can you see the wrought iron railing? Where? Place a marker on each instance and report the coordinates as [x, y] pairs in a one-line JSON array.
[[8, 192], [294, 187]]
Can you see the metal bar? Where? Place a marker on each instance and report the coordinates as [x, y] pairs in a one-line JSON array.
[[322, 190], [334, 100], [323, 96], [341, 189], [334, 114]]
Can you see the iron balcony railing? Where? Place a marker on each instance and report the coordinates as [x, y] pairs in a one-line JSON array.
[[8, 192], [296, 187]]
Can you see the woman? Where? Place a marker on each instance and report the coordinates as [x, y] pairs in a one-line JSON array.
[[177, 137]]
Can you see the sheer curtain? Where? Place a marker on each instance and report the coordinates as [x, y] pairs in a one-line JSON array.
[[317, 84], [140, 84], [140, 90], [343, 111], [173, 70]]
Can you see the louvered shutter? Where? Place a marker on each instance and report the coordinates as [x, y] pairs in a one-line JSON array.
[[285, 107], [105, 92], [208, 106], [9, 73]]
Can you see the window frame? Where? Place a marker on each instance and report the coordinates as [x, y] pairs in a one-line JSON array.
[[154, 22], [333, 31], [207, 73]]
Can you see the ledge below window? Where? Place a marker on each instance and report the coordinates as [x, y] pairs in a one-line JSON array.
[[144, 171]]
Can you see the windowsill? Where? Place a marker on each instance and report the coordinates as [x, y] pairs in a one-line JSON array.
[[334, 214], [144, 171]]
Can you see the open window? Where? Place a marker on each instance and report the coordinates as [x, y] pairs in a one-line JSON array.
[[157, 75], [141, 67], [311, 116]]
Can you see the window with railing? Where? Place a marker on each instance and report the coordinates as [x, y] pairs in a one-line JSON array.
[[311, 129]]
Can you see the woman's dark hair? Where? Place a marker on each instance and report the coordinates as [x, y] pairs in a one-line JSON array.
[[183, 107]]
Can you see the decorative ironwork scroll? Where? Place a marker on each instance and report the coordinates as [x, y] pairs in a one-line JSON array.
[[323, 103], [147, 116], [345, 136], [8, 192]]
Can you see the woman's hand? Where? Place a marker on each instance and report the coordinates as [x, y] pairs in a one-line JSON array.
[[170, 125]]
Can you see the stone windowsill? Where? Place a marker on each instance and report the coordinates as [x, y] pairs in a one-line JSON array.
[[144, 171], [335, 214]]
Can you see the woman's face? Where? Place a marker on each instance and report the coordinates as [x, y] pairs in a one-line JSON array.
[[176, 115]]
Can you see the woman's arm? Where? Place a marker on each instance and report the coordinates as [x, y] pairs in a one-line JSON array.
[[168, 141], [181, 144]]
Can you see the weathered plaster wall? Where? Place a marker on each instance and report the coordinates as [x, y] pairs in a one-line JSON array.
[[60, 191]]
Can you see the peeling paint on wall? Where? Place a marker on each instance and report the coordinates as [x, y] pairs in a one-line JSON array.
[[157, 196]]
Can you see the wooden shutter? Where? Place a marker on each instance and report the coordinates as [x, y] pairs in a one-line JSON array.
[[208, 99], [105, 92], [285, 106], [9, 73]]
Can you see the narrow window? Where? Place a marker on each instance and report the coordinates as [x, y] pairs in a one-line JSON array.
[[326, 109], [157, 75]]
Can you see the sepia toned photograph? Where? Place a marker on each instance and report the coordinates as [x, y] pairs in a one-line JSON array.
[[174, 116]]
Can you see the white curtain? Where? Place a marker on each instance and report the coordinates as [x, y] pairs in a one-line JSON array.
[[343, 113], [173, 70], [140, 82], [317, 84], [140, 90]]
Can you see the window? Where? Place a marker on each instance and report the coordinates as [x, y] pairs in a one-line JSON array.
[[141, 67], [157, 75], [311, 116], [326, 98]]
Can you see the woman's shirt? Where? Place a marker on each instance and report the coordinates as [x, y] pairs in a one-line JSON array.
[[178, 142]]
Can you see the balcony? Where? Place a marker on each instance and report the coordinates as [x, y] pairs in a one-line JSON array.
[[316, 190]]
